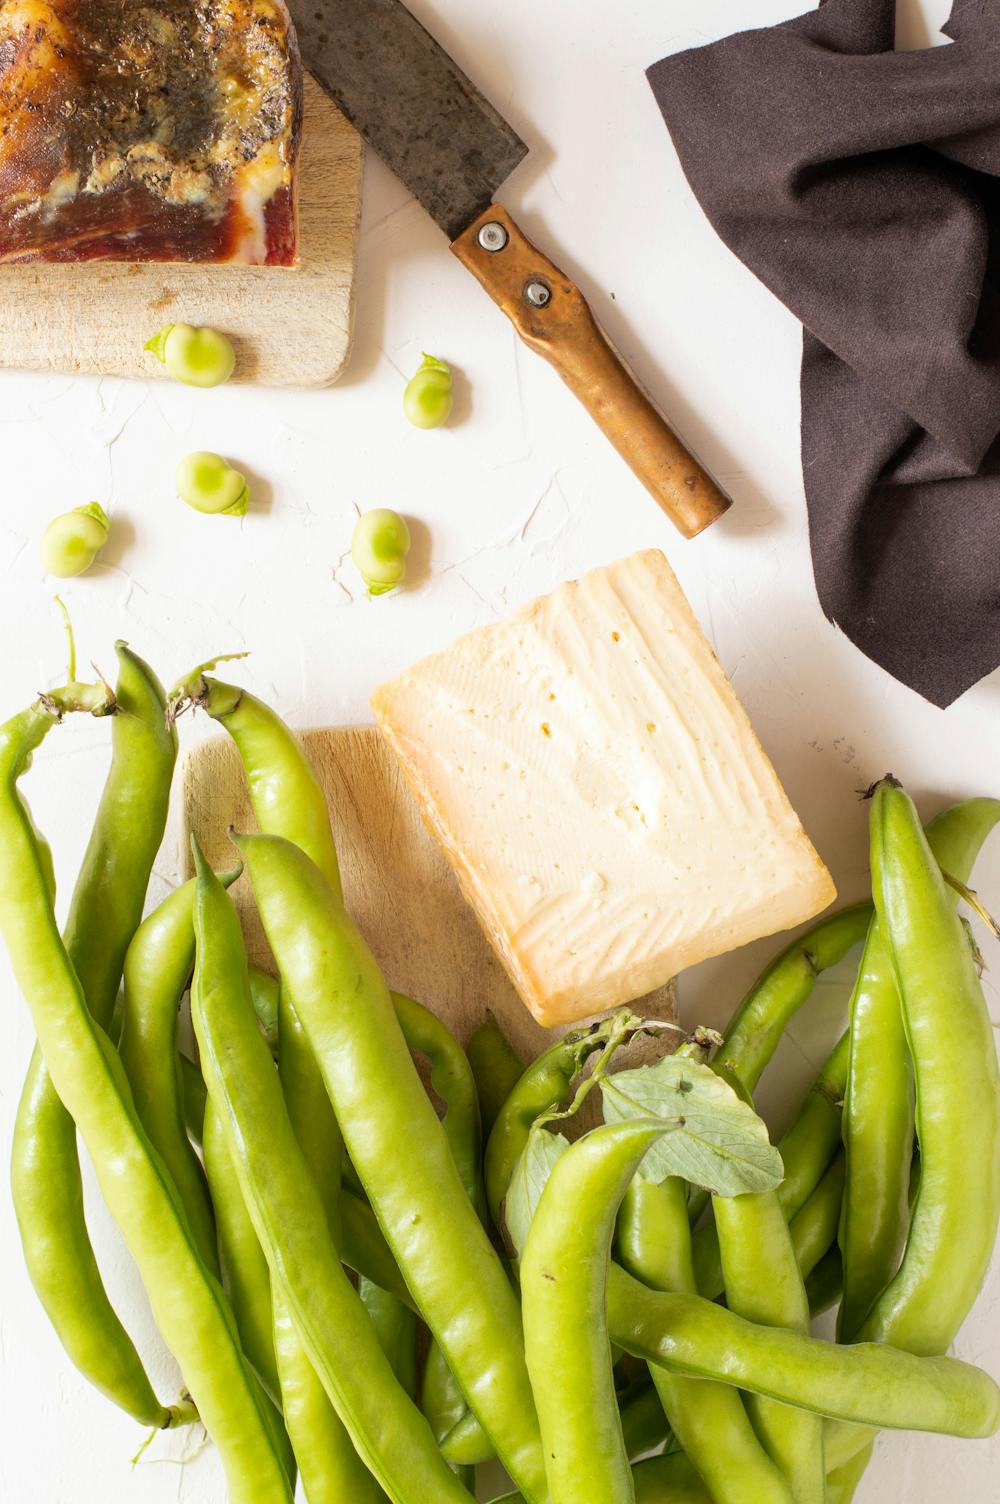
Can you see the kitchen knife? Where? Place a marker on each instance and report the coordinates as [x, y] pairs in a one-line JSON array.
[[452, 149]]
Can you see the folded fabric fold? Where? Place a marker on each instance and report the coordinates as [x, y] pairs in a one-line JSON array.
[[862, 186]]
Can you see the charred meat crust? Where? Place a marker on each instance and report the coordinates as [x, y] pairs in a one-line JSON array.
[[148, 130]]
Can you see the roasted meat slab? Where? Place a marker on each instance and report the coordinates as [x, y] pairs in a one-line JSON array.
[[148, 130]]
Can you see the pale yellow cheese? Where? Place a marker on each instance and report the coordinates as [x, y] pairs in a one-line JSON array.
[[600, 792]]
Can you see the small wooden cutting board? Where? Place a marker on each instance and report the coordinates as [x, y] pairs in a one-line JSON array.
[[291, 327], [397, 885]]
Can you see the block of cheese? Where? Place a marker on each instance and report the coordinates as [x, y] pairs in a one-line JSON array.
[[599, 790]]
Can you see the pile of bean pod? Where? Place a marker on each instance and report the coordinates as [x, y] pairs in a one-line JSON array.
[[359, 1295]]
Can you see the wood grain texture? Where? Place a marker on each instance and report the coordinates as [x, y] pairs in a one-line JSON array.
[[565, 333], [397, 885], [291, 327]]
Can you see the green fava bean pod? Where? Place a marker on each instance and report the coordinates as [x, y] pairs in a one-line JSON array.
[[265, 992], [309, 1108], [688, 1334], [452, 1080], [390, 1435], [954, 1223], [188, 1303], [496, 1067], [644, 1428], [658, 1480], [905, 1311], [813, 1139], [644, 1425], [396, 1328], [365, 1250], [110, 894], [328, 1462], [194, 1098], [330, 1468], [647, 1236], [807, 1150], [654, 1241], [564, 1270], [667, 1480], [813, 1229], [878, 1138], [158, 968], [244, 1268], [47, 1190], [763, 1283], [709, 1420], [720, 1443], [825, 1285], [288, 799], [105, 911], [246, 1278], [444, 1405], [758, 1024], [869, 1383], [756, 1027], [466, 1444], [417, 1195], [543, 1086], [694, 1336], [878, 1110], [845, 1442], [843, 1482]]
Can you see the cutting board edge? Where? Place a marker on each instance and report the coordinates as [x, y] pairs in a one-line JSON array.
[[494, 990]]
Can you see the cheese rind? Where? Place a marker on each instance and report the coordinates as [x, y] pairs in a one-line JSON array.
[[599, 790]]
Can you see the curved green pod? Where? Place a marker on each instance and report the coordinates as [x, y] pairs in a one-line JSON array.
[[418, 1196], [105, 910], [390, 1435], [188, 1303]]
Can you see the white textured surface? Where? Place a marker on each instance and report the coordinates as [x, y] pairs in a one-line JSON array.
[[519, 493]]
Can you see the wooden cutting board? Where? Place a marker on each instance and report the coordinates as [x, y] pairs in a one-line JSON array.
[[290, 327], [397, 885]]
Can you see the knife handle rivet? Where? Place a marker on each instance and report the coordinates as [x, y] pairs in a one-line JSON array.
[[537, 294], [492, 236]]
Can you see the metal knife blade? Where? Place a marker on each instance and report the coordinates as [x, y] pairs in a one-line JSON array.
[[452, 149], [399, 88]]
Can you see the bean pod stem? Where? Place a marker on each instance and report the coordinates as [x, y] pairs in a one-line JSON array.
[[756, 1027]]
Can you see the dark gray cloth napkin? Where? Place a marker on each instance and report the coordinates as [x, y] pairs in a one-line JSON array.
[[862, 186]]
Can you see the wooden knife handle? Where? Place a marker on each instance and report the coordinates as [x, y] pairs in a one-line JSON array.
[[551, 315]]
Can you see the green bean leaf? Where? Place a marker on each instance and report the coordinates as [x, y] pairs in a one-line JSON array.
[[528, 1181], [717, 1141]]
